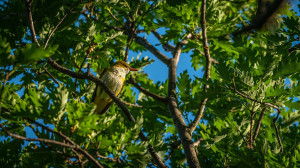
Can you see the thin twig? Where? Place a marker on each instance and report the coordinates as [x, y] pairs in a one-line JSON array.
[[77, 147], [51, 130], [242, 136], [146, 92], [114, 16], [251, 125], [277, 133], [7, 75], [208, 62], [133, 29], [259, 123], [32, 30], [167, 47], [154, 155], [130, 104], [197, 143], [89, 50], [60, 21], [266, 104], [145, 13], [51, 147], [46, 70], [248, 97], [198, 117], [105, 157], [175, 145], [36, 139]]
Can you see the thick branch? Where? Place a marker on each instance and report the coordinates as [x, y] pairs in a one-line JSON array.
[[147, 92], [72, 146], [183, 132], [152, 49]]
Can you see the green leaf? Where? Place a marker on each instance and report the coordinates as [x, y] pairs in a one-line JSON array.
[[30, 53], [5, 57], [290, 65]]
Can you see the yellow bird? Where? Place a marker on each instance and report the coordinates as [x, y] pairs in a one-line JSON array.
[[114, 78]]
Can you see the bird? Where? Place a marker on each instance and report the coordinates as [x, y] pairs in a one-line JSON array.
[[114, 78]]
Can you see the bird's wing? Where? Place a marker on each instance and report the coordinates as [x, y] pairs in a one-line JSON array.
[[117, 92], [94, 94], [101, 90]]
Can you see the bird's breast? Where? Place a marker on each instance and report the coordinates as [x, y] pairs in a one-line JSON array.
[[113, 81]]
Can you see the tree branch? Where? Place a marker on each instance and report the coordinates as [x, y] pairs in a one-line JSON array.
[[111, 159], [167, 47], [185, 137], [51, 147], [251, 126], [72, 146], [266, 104], [199, 115], [208, 62], [147, 92], [277, 132], [132, 28], [29, 14], [242, 136], [259, 123], [60, 21], [197, 143], [154, 155], [152, 49], [78, 148], [88, 52], [174, 145], [46, 70], [130, 104], [98, 81], [114, 16]]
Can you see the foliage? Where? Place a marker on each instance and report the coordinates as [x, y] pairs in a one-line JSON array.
[[264, 65]]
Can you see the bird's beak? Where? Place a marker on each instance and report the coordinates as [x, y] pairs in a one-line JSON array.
[[132, 69]]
